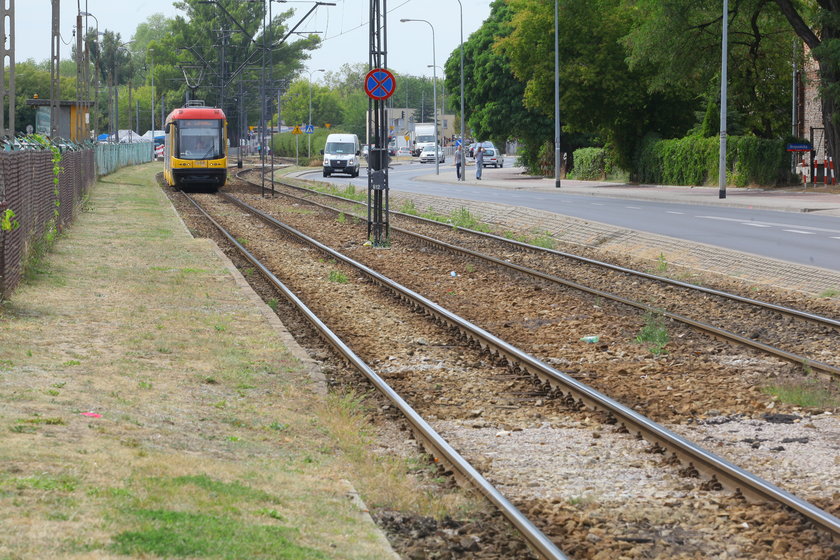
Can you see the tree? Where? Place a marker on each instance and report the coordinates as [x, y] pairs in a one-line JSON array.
[[678, 43], [600, 95], [347, 83], [223, 41], [295, 103], [823, 38], [493, 96]]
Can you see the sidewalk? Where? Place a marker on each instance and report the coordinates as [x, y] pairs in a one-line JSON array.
[[786, 200], [153, 406]]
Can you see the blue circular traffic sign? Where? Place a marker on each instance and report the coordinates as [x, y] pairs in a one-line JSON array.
[[380, 84]]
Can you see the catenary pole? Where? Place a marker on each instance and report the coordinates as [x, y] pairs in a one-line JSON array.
[[557, 155], [723, 80], [463, 116]]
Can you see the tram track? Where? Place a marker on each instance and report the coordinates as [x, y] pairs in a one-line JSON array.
[[787, 333], [726, 473]]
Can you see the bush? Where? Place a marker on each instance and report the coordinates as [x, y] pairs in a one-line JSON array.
[[590, 163], [693, 160]]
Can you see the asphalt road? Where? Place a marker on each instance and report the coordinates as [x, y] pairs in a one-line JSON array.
[[804, 238]]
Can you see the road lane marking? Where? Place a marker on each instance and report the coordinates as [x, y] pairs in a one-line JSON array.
[[754, 225], [800, 231], [633, 207], [677, 213], [781, 225]]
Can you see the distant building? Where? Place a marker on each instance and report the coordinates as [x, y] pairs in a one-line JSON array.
[[401, 121], [66, 118]]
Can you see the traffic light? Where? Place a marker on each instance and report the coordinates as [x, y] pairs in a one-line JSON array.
[[402, 115]]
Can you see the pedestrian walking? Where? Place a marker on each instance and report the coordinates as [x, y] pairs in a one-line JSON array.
[[459, 160], [479, 162]]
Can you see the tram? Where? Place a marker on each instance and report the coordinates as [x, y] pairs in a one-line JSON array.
[[195, 146]]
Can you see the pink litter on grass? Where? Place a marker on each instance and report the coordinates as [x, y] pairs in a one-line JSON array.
[[91, 415]]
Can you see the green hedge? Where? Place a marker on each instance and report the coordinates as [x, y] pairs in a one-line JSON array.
[[589, 163], [694, 161]]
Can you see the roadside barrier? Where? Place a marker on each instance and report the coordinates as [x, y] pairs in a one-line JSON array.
[[822, 170]]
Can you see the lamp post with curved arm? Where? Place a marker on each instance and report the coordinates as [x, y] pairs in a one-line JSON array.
[[309, 136], [463, 116], [443, 89], [434, 90]]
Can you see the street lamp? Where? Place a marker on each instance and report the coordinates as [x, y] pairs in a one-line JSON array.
[[443, 92], [434, 90], [557, 155], [308, 135], [95, 121], [463, 176]]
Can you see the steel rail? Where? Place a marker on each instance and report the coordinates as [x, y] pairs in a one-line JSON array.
[[705, 327], [433, 442], [718, 468], [819, 319], [711, 329]]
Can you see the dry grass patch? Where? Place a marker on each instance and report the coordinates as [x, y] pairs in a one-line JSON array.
[[145, 402]]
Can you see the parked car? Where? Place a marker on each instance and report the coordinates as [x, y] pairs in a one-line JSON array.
[[493, 157], [428, 155], [365, 150], [404, 151]]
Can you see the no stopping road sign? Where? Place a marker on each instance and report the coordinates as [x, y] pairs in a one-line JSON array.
[[380, 84]]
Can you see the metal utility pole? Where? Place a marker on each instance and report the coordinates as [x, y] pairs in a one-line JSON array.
[[378, 226], [262, 108], [243, 118], [309, 122], [80, 79], [463, 116], [723, 83], [557, 155], [55, 82], [152, 75], [7, 60], [434, 91]]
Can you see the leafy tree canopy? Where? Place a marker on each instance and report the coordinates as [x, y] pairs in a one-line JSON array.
[[492, 94]]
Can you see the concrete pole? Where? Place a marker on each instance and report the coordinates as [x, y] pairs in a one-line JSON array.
[[557, 154], [723, 80], [463, 116]]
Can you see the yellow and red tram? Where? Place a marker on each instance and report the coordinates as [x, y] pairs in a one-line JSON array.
[[195, 147]]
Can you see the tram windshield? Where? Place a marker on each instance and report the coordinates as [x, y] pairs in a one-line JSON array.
[[200, 139]]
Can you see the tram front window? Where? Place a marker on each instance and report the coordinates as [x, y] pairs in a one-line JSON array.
[[200, 139]]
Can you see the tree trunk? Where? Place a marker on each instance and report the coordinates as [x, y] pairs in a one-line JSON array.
[[829, 69]]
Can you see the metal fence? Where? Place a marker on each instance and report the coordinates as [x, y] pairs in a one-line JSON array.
[[32, 204], [110, 157]]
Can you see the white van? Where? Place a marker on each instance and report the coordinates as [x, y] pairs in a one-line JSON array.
[[341, 154]]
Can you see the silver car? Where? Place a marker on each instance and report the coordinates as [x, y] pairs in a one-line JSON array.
[[493, 157], [428, 155]]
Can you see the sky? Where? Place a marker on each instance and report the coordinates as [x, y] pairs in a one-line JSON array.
[[343, 28]]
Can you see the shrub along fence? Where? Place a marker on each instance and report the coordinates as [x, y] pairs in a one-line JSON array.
[[694, 160], [41, 187]]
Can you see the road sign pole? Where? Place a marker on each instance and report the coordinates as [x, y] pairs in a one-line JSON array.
[[379, 85]]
